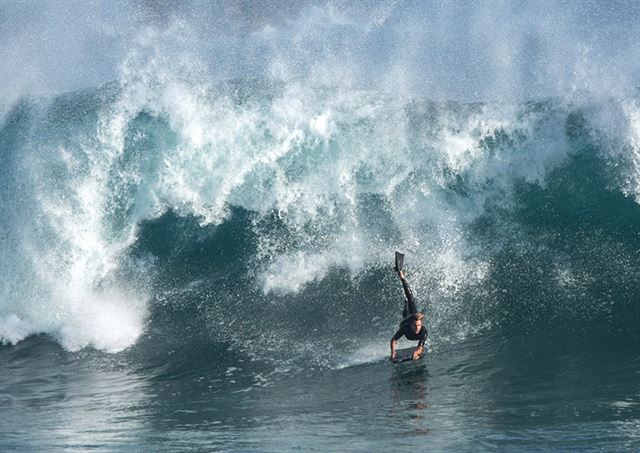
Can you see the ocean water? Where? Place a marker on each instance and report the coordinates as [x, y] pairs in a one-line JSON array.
[[196, 244]]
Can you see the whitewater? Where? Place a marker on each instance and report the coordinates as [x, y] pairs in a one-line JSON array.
[[198, 225]]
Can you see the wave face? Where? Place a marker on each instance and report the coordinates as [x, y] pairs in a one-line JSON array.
[[282, 205], [263, 209]]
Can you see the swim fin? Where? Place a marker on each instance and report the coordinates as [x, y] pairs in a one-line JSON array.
[[399, 261]]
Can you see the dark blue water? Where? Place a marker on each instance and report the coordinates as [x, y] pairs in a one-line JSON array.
[[480, 394]]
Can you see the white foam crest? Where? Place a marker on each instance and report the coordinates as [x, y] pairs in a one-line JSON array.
[[111, 322], [65, 256], [631, 147], [90, 309], [302, 153], [525, 153], [13, 329], [291, 272], [632, 112], [615, 127], [76, 257], [214, 151]]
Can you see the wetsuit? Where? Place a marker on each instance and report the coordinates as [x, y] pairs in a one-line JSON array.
[[407, 330], [409, 310]]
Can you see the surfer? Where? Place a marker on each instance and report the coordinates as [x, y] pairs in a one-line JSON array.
[[412, 321]]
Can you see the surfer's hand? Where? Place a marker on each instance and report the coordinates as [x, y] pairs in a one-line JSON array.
[[415, 355]]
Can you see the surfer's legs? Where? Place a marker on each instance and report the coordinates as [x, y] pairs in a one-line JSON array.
[[409, 301]]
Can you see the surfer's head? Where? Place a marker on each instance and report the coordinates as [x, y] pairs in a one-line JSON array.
[[418, 319]]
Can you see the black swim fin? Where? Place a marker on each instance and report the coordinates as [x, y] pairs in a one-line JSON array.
[[399, 261]]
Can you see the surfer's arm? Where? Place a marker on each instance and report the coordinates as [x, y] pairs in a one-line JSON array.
[[420, 349], [396, 336]]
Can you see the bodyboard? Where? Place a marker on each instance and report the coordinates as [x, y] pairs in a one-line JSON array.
[[404, 355]]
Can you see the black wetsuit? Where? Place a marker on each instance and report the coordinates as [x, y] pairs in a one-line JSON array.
[[406, 326], [406, 329]]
